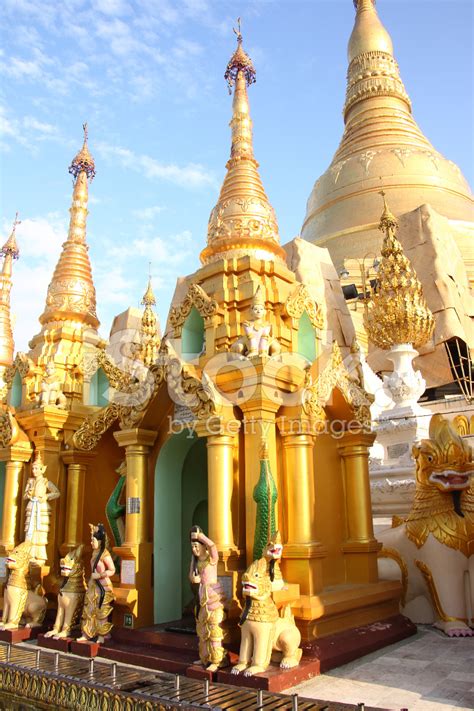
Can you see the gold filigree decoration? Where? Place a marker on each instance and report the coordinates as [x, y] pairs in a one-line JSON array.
[[6, 428], [336, 376], [395, 555], [89, 433], [300, 301], [372, 74], [23, 365], [433, 509], [118, 378], [430, 583], [397, 312], [197, 297]]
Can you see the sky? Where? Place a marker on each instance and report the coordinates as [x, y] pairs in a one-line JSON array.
[[147, 76]]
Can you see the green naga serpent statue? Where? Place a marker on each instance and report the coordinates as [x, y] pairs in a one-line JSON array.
[[265, 495], [114, 510]]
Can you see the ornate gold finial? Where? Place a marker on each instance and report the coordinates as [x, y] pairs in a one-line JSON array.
[[397, 313], [243, 221], [264, 449], [83, 161], [11, 247], [149, 337], [239, 62]]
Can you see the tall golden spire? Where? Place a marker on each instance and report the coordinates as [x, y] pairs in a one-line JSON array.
[[243, 221], [10, 252], [149, 336], [397, 313], [71, 293]]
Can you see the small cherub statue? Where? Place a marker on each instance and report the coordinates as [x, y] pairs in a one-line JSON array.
[[257, 340], [39, 491], [51, 393], [95, 624], [203, 570]]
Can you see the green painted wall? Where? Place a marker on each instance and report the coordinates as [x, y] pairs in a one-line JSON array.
[[194, 507], [14, 396], [192, 334], [180, 489], [98, 389], [306, 338], [2, 488]]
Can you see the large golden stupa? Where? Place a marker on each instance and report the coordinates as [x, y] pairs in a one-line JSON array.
[[382, 145]]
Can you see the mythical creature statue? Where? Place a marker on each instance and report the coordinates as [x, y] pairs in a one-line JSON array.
[[95, 624], [51, 392], [22, 599], [433, 547], [71, 594], [203, 570], [263, 630], [272, 555], [257, 339], [39, 491]]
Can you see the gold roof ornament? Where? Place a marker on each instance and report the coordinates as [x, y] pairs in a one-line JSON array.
[[10, 252], [397, 313], [243, 221], [149, 336], [71, 292]]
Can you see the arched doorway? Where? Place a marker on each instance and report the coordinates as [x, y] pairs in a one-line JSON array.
[[180, 502]]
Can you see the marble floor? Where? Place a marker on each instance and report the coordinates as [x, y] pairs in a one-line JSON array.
[[427, 672]]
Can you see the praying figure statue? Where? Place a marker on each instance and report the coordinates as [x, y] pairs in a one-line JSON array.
[[51, 393], [257, 339], [39, 491], [203, 570]]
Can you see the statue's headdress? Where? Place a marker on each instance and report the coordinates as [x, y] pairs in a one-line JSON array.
[[39, 460], [259, 296]]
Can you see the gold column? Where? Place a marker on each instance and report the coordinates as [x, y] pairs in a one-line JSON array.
[[77, 464], [10, 529], [135, 593], [221, 462], [302, 552], [360, 547]]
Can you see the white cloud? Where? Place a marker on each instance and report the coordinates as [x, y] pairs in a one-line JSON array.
[[112, 7], [191, 175], [26, 131], [148, 214]]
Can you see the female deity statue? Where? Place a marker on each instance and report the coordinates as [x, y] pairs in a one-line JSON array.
[[203, 570], [38, 492], [95, 624]]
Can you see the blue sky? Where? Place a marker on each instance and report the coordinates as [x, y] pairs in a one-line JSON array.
[[147, 75]]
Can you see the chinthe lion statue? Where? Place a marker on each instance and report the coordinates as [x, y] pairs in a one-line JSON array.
[[71, 594], [432, 549], [263, 630], [22, 600]]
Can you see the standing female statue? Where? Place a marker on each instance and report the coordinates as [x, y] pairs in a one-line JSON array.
[[203, 570], [95, 624], [38, 492]]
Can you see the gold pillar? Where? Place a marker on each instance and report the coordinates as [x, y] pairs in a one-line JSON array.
[[135, 593], [220, 467], [77, 463], [11, 519], [360, 547], [302, 552]]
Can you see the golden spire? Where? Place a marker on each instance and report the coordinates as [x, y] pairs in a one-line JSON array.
[[243, 221], [71, 293], [10, 252], [149, 337], [397, 313]]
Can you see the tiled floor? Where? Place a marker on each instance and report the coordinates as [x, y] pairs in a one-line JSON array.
[[427, 672]]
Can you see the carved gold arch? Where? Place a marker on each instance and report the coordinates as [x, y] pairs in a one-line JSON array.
[[197, 297], [336, 376], [300, 301], [23, 365]]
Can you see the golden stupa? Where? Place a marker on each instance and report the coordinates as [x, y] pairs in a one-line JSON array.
[[382, 145]]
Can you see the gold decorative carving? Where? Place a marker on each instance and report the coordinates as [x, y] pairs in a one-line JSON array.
[[461, 425], [6, 428], [336, 375], [436, 602], [301, 300], [395, 555], [23, 365], [397, 312], [372, 74], [94, 426], [197, 297]]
